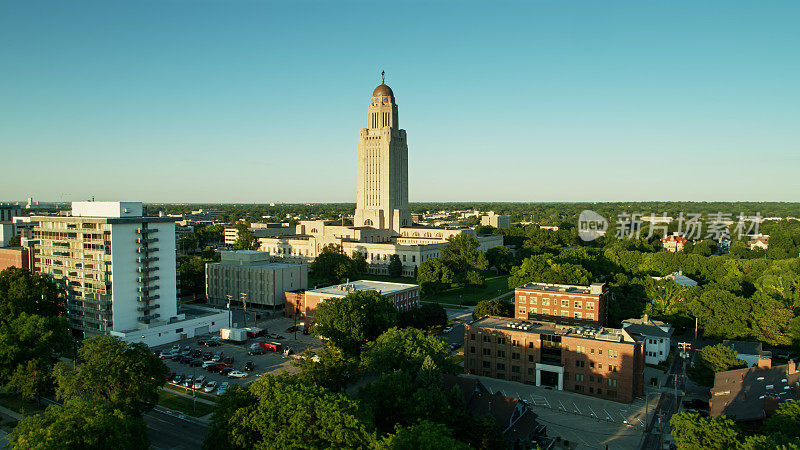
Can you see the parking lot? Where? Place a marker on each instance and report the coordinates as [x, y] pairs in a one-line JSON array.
[[586, 421], [269, 362]]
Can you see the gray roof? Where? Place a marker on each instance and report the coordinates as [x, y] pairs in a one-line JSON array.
[[744, 347], [647, 330], [749, 394]]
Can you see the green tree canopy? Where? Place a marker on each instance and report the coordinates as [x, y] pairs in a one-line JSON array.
[[500, 258], [23, 291], [332, 369], [434, 276], [785, 420], [395, 266], [285, 412], [405, 349], [462, 254], [427, 435], [333, 266], [80, 424], [125, 375], [713, 359], [245, 239], [426, 316], [496, 307], [15, 241], [351, 321], [693, 432]]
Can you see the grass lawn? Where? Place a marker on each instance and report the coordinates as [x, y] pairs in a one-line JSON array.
[[495, 285], [183, 404]]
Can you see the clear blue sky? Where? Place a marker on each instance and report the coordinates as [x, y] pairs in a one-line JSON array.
[[259, 101]]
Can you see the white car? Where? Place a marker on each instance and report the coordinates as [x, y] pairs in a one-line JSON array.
[[223, 388], [210, 386], [208, 363], [199, 381], [447, 329], [166, 354], [237, 374]]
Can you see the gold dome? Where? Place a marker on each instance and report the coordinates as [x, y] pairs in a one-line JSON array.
[[383, 90]]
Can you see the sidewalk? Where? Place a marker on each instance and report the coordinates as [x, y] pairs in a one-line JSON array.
[[198, 398]]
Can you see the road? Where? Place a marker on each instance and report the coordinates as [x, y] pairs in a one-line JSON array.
[[174, 433], [667, 405]]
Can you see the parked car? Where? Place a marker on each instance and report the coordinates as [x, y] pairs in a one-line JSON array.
[[455, 346], [176, 357], [170, 376], [249, 366], [196, 363], [256, 351], [201, 342], [212, 343], [216, 358], [210, 386], [447, 329], [176, 348], [177, 379], [213, 367], [164, 354], [237, 374], [196, 353], [207, 356], [225, 370], [228, 360], [188, 381], [199, 382], [187, 348], [223, 388], [185, 360]]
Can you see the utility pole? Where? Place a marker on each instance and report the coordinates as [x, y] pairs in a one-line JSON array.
[[696, 322], [230, 319], [684, 346], [296, 313]]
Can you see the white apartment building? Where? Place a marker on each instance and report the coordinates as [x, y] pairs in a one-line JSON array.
[[117, 264], [496, 220], [655, 334]]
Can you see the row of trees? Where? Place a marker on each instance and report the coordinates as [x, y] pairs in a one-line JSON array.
[[460, 262], [373, 385]]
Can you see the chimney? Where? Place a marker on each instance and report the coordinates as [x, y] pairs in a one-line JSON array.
[[646, 318], [764, 363], [791, 367], [680, 271]]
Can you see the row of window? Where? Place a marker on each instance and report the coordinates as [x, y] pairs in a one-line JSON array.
[[564, 302], [563, 313]]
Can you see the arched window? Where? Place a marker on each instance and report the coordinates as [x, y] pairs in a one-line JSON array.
[[368, 222], [313, 230]]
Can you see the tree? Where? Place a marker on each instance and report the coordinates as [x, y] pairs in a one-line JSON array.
[[694, 432], [333, 266], [32, 332], [331, 369], [713, 359], [500, 258], [428, 435], [426, 316], [23, 291], [434, 276], [475, 279], [496, 307], [351, 321], [359, 263], [785, 420], [124, 375], [405, 349], [15, 241], [395, 266], [192, 275], [462, 254], [80, 424], [245, 239], [284, 412]]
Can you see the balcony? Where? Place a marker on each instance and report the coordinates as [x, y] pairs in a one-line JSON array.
[[146, 289], [146, 250], [148, 317], [147, 279], [144, 231], [147, 269], [146, 240], [147, 259], [148, 298], [148, 307]]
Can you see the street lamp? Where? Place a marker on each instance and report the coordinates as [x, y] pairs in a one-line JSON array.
[[229, 312]]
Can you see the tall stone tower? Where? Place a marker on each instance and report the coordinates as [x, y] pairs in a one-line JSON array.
[[382, 166]]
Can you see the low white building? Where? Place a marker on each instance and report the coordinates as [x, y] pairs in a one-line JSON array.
[[749, 352], [191, 321], [655, 334], [496, 220]]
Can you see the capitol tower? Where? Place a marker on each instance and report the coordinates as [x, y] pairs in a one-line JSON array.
[[382, 166]]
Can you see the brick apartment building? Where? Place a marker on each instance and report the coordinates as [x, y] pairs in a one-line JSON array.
[[404, 296], [19, 257], [674, 243], [563, 303], [600, 362]]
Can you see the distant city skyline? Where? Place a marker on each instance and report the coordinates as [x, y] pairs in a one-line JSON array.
[[259, 102]]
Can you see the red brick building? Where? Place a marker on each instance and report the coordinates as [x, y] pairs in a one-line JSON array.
[[673, 243], [15, 257], [562, 303], [601, 362]]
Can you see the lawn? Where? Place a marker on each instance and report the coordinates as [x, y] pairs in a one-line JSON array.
[[183, 404]]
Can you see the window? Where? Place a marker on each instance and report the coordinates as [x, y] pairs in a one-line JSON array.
[[179, 330], [522, 299], [613, 353], [487, 339], [578, 304], [591, 364], [611, 394], [580, 349], [515, 343], [565, 313], [579, 377], [515, 356], [599, 366], [487, 352], [579, 388], [589, 316], [472, 349], [530, 358], [501, 340], [532, 301], [578, 315], [522, 310], [530, 344], [546, 311], [501, 354], [515, 369], [472, 336], [589, 305], [413, 258], [545, 301], [579, 363], [565, 303], [501, 366], [486, 365], [612, 368]]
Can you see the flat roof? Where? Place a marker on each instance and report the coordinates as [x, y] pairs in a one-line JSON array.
[[563, 288], [594, 332], [384, 287]]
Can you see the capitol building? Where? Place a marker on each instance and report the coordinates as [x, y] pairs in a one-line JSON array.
[[382, 224]]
